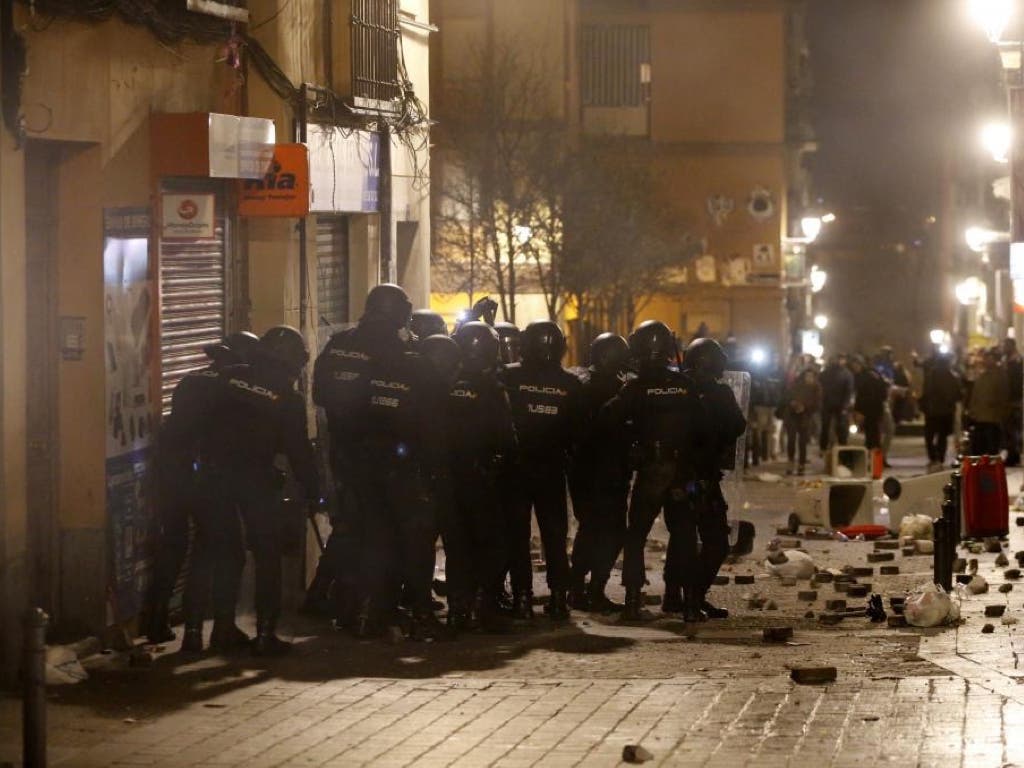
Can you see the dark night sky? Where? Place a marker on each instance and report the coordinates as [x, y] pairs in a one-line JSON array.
[[893, 78], [899, 84]]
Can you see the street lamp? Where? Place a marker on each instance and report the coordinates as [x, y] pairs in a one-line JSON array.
[[992, 16], [969, 291], [996, 138], [821, 322], [818, 278], [976, 239], [811, 226], [937, 336]]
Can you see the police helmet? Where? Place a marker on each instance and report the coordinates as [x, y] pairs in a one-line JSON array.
[[652, 343], [542, 343], [389, 304], [479, 345], [609, 352], [508, 342], [285, 346], [426, 322], [442, 353], [235, 348], [706, 355]]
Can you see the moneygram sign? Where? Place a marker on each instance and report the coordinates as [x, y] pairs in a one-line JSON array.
[[187, 217]]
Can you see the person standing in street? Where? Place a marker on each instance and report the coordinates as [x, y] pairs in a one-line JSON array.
[[941, 392], [836, 395], [341, 386], [988, 406], [599, 479], [261, 415], [661, 420], [802, 401], [1014, 367], [692, 565], [870, 395], [546, 408]]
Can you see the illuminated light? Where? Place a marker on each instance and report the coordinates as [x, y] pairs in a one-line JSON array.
[[853, 429], [821, 322], [523, 234], [970, 291], [944, 349], [997, 139], [991, 15], [976, 238], [828, 218], [818, 278], [937, 336], [758, 356], [811, 226]]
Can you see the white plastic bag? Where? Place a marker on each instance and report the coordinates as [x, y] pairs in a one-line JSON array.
[[63, 667], [930, 607], [916, 526], [791, 564]]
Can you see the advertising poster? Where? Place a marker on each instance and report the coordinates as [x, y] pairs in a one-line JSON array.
[[128, 306]]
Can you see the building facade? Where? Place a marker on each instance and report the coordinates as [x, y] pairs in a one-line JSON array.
[[711, 96], [168, 176]]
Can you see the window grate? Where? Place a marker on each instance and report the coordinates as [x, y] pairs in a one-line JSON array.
[[375, 36], [615, 65]]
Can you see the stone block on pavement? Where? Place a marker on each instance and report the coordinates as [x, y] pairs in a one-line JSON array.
[[813, 675], [880, 557], [777, 634]]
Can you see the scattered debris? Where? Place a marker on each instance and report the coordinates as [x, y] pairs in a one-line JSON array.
[[1002, 560], [745, 578], [830, 619], [977, 585], [908, 551], [63, 667], [771, 605], [924, 546], [930, 606], [807, 595], [988, 629], [777, 634], [793, 563], [720, 581], [994, 611], [896, 621], [993, 545], [822, 577], [858, 590], [788, 581], [1009, 620], [1005, 588], [891, 544], [959, 565], [917, 526], [875, 610], [889, 570], [768, 477], [972, 565], [880, 557], [813, 675], [835, 605], [809, 615], [634, 753], [861, 570]]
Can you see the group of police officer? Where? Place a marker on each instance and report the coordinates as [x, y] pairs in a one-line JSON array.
[[465, 437]]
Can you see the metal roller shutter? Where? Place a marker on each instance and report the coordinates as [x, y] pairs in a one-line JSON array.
[[193, 302], [332, 275]]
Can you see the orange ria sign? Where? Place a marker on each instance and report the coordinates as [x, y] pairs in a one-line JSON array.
[[283, 191]]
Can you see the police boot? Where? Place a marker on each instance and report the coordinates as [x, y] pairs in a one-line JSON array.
[[713, 612], [365, 625], [672, 602], [692, 612], [634, 607], [426, 628], [579, 598], [267, 643], [316, 602], [522, 606], [599, 602], [557, 608], [459, 618], [485, 612], [345, 606], [159, 629], [192, 640], [227, 637]]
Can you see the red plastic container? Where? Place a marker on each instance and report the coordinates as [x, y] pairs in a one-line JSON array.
[[985, 500], [877, 463]]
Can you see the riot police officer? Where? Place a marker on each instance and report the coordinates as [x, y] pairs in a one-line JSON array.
[[341, 386], [508, 342], [482, 440], [687, 565], [426, 322], [179, 451], [399, 443], [260, 415], [663, 425], [599, 479], [545, 401]]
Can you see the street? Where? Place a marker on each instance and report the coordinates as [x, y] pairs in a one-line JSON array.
[[712, 694]]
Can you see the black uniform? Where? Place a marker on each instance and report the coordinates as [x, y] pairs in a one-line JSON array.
[[400, 523], [260, 415], [688, 565], [481, 440], [218, 553], [545, 403], [599, 483], [666, 425], [341, 386]]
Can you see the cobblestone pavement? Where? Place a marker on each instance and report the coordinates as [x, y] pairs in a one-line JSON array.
[[576, 694]]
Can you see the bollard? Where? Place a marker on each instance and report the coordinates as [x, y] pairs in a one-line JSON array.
[[957, 480], [949, 514], [33, 723], [942, 563]]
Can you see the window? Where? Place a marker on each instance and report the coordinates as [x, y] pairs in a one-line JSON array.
[[615, 66], [375, 40]]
